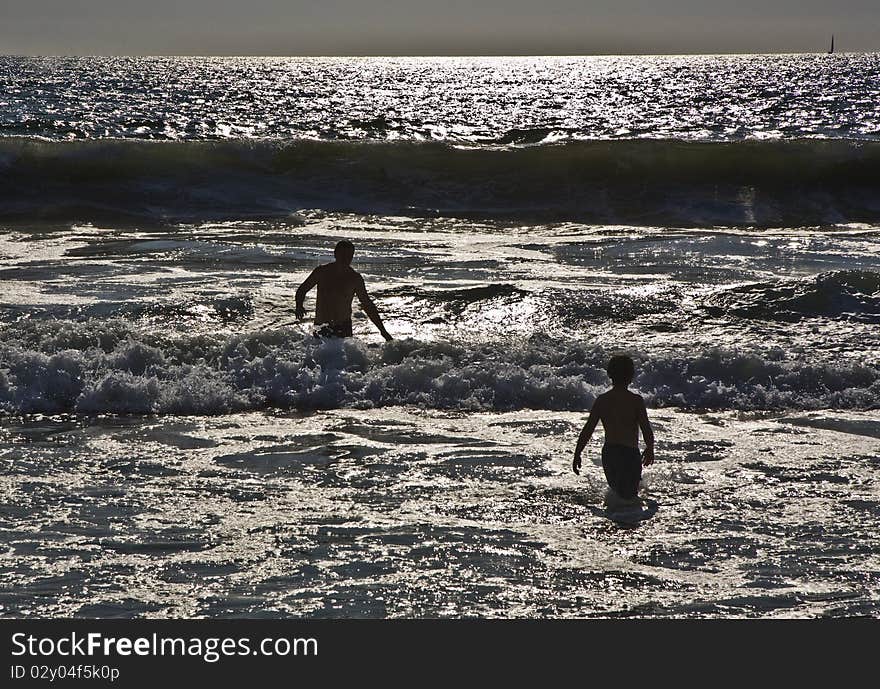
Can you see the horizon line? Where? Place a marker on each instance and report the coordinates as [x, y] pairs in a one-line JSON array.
[[438, 55]]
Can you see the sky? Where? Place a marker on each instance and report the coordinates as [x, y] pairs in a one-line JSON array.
[[443, 27]]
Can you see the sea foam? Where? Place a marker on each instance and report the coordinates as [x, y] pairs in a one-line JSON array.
[[124, 370]]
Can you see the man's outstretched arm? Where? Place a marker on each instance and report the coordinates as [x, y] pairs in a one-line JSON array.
[[584, 437], [304, 288], [370, 308]]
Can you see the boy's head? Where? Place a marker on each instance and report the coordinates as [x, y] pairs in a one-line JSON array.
[[344, 252], [621, 369]]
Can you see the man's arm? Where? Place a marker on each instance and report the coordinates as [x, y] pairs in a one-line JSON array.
[[586, 434], [304, 288], [647, 433], [369, 307]]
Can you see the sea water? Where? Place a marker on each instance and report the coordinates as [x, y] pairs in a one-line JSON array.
[[174, 443]]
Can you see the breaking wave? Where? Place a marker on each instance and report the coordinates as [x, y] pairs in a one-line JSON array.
[[792, 182], [846, 294], [110, 366]]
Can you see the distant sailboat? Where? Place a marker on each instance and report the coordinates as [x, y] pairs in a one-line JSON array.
[[832, 45]]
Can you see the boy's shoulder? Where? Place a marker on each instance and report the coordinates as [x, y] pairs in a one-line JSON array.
[[636, 398], [619, 396]]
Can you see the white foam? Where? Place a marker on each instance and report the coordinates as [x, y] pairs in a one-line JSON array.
[[105, 366]]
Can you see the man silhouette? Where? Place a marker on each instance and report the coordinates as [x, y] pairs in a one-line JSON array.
[[337, 284]]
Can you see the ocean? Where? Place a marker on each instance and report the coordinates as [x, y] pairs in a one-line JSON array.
[[174, 443]]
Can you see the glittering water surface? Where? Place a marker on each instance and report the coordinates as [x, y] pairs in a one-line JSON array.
[[437, 483], [523, 99], [418, 513], [174, 443]]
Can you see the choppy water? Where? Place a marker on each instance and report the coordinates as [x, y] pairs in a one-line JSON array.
[[488, 316], [175, 443], [472, 100]]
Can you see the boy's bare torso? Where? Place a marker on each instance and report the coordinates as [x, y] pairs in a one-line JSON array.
[[622, 414], [620, 411]]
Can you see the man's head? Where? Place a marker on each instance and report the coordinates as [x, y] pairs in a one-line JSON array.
[[621, 369], [344, 252]]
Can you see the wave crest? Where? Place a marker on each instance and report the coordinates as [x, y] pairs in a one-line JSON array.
[[793, 182]]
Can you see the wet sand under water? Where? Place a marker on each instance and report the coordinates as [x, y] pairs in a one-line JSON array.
[[407, 512]]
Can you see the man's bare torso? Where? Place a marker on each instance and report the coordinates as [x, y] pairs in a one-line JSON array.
[[337, 286]]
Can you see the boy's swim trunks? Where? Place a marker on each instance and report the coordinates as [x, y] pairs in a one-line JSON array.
[[623, 469]]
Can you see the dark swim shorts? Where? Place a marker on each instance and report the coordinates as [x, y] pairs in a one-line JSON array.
[[342, 329], [623, 469]]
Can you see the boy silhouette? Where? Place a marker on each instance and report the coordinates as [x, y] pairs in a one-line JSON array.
[[622, 414]]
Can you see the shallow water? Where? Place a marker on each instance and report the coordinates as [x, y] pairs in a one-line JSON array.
[[409, 512]]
